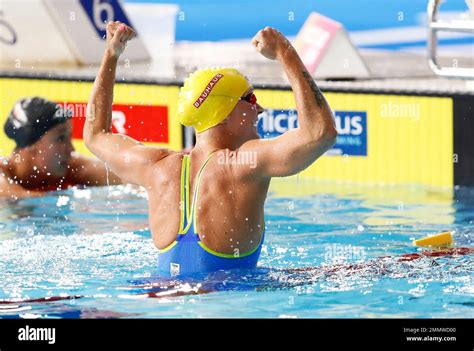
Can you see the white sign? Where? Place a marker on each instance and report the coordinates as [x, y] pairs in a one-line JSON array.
[[60, 31]]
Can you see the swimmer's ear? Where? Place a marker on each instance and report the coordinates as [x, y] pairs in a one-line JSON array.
[[29, 151]]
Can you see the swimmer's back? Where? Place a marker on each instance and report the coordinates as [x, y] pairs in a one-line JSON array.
[[229, 207]]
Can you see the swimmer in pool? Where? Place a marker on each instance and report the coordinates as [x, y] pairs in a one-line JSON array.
[[206, 208], [44, 158]]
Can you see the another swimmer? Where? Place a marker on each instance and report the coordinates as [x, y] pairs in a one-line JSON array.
[[44, 158], [206, 208]]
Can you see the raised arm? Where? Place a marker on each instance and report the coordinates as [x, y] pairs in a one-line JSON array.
[[90, 171], [126, 157], [296, 149]]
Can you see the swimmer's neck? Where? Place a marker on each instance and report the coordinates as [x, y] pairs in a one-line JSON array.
[[217, 139]]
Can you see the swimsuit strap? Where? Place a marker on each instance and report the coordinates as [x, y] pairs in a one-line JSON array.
[[196, 191], [184, 195]]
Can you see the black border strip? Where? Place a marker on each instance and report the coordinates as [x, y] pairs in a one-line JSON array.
[[346, 334], [463, 130]]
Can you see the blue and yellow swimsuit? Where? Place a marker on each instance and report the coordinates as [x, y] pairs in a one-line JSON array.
[[188, 254]]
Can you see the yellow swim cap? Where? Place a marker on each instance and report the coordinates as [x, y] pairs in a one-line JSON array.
[[209, 96]]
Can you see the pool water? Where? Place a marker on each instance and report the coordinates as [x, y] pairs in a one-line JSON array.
[[90, 249]]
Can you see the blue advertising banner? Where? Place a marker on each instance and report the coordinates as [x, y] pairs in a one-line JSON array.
[[351, 127]]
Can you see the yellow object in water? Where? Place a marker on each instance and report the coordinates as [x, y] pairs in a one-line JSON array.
[[209, 96], [439, 240]]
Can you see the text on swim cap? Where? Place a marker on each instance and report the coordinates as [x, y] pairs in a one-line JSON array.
[[207, 90]]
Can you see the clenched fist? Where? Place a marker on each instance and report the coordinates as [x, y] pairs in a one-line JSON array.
[[117, 36], [271, 43]]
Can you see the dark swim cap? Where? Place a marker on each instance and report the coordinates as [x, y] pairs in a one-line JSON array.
[[31, 118]]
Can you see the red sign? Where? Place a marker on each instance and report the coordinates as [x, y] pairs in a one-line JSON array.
[[140, 122]]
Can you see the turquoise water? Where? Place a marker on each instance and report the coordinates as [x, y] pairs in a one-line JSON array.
[[94, 244]]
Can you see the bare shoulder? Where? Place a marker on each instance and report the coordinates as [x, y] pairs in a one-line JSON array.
[[5, 184], [165, 172], [171, 160], [9, 188], [4, 174]]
